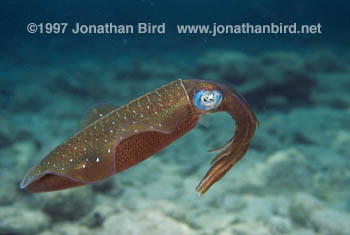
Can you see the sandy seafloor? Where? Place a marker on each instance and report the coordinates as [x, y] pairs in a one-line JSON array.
[[295, 178]]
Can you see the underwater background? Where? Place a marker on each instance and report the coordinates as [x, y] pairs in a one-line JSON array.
[[295, 177]]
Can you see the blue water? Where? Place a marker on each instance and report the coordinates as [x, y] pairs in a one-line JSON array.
[[295, 176]]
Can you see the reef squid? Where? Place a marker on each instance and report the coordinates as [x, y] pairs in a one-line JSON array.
[[125, 136]]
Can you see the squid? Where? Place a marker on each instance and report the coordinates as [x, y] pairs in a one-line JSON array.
[[122, 137]]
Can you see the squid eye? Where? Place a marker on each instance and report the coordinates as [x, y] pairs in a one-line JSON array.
[[207, 99]]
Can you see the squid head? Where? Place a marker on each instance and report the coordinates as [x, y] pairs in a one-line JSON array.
[[210, 97]]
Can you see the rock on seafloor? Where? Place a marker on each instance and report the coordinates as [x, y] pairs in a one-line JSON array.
[[310, 212], [280, 225], [302, 206], [68, 204], [248, 229], [16, 220], [283, 171], [8, 192], [287, 169], [147, 222], [330, 221], [67, 229]]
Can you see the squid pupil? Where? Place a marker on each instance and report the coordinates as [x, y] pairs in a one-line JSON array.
[[206, 98]]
